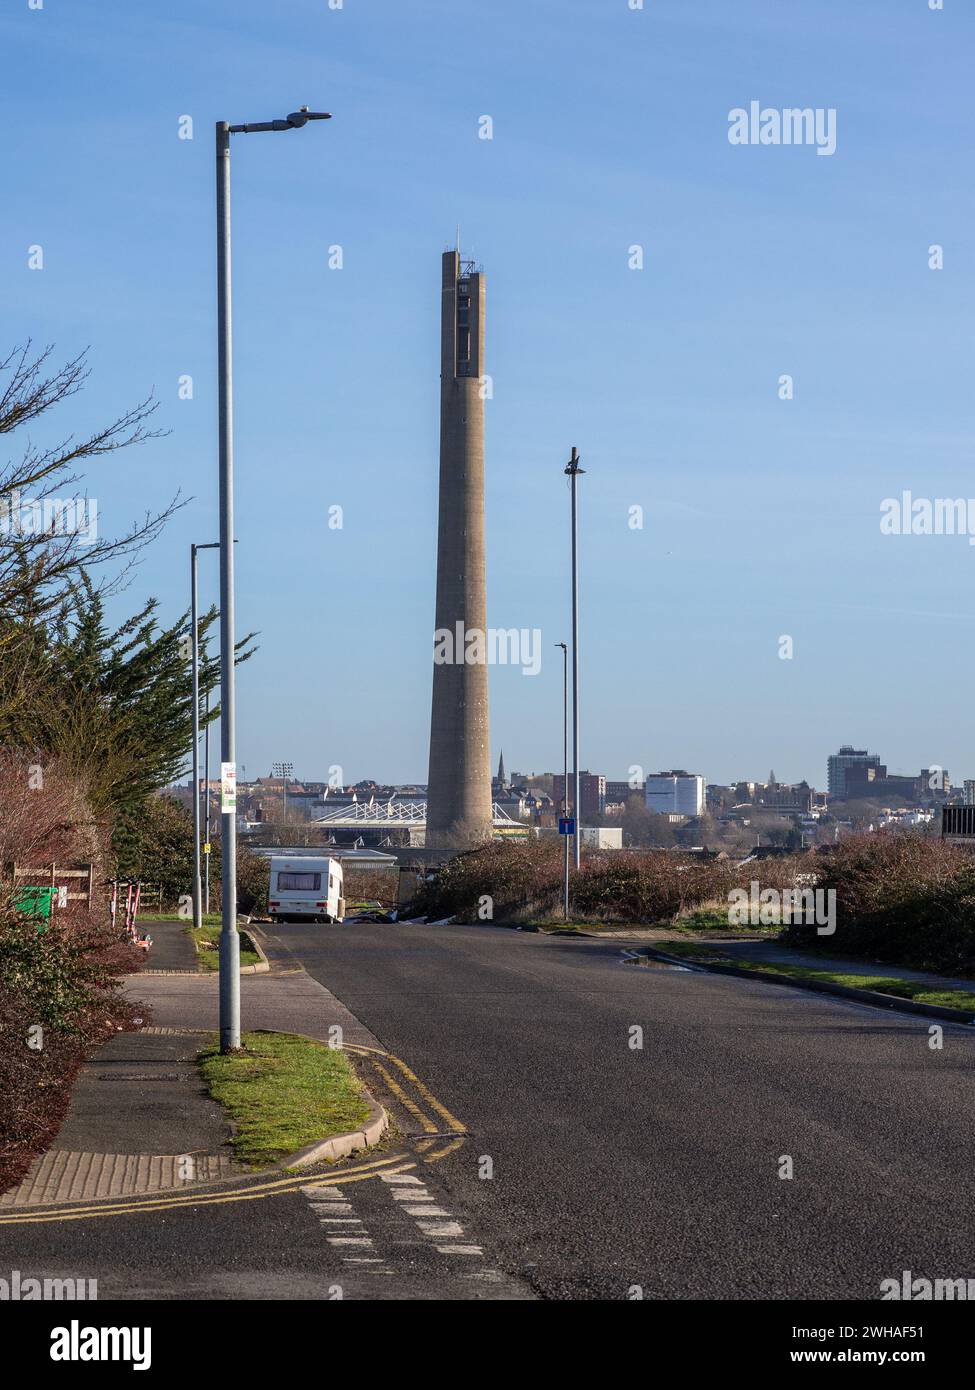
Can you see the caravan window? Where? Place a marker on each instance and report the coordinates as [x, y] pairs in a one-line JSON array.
[[301, 883]]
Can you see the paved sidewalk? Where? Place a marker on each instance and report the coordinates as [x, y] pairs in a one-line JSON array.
[[171, 948], [140, 1118]]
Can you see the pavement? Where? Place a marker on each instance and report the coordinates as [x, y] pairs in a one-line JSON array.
[[171, 948]]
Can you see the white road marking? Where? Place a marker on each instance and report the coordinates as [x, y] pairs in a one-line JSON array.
[[441, 1228], [419, 1203]]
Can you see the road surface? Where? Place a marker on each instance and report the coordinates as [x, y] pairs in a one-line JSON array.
[[620, 1168]]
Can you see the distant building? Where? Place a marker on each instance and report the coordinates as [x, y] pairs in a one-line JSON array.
[[796, 799], [838, 766], [677, 792], [880, 785], [934, 782], [600, 837], [592, 794], [719, 797], [620, 792], [958, 824], [970, 791]]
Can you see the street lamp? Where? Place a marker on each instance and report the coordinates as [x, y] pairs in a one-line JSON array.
[[284, 770], [206, 806], [573, 470], [229, 941], [565, 775], [195, 622]]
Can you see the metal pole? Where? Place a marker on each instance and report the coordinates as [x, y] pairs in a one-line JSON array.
[[194, 620], [573, 470], [206, 808], [229, 941], [565, 775]]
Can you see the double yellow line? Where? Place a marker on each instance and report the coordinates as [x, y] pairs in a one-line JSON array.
[[396, 1163], [257, 1189], [376, 1057]]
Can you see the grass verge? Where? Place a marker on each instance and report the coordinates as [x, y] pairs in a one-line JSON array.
[[702, 921], [283, 1092], [206, 939], [918, 990], [209, 918]]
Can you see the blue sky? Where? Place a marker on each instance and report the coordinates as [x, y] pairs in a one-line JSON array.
[[761, 516]]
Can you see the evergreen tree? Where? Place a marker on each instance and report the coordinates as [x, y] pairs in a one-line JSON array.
[[114, 706]]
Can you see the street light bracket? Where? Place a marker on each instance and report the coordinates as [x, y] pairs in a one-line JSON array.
[[293, 121]]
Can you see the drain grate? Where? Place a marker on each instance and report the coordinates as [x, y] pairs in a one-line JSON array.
[[146, 1076]]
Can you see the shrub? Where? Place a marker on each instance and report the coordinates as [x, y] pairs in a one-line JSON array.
[[510, 874], [59, 987], [59, 996], [900, 898], [520, 878]]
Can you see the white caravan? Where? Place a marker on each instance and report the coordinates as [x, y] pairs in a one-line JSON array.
[[305, 888]]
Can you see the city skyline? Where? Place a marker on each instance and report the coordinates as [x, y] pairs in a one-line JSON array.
[[636, 778]]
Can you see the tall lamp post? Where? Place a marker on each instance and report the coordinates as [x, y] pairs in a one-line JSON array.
[[229, 942], [565, 775], [284, 770], [195, 622], [206, 806], [573, 470]]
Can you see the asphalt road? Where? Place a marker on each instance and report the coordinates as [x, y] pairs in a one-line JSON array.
[[619, 1168]]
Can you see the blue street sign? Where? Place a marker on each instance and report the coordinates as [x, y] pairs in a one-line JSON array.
[[567, 825]]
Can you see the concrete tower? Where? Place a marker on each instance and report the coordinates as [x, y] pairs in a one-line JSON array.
[[459, 784]]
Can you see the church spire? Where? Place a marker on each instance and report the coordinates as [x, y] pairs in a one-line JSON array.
[[502, 779]]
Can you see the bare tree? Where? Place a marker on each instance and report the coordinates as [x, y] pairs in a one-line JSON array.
[[42, 544]]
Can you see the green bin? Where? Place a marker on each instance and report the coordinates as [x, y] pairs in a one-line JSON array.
[[36, 902]]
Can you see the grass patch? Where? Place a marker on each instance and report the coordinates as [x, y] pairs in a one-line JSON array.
[[715, 919], [206, 939], [917, 990], [209, 918], [283, 1092], [703, 920], [557, 924]]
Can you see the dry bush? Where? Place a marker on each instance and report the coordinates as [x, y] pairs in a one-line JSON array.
[[509, 873], [65, 979], [372, 885], [647, 887], [44, 816], [524, 880], [900, 898]]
